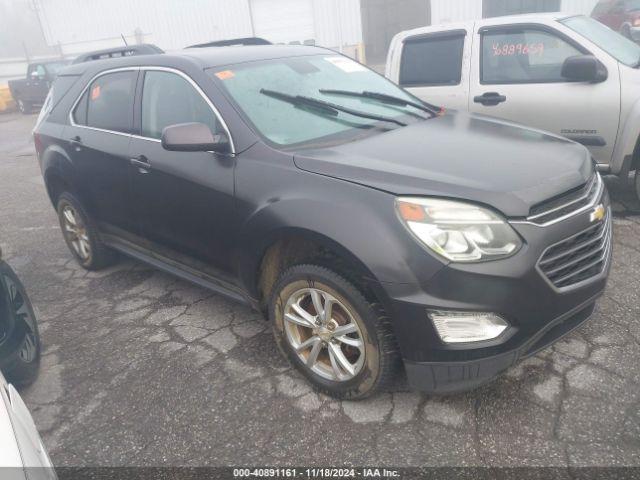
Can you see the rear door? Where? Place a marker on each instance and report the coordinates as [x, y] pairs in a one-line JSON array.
[[98, 142], [434, 66], [516, 75], [184, 199]]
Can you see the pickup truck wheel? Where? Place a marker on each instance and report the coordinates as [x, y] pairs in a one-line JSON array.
[[636, 183], [22, 368], [327, 329], [24, 107], [81, 235]]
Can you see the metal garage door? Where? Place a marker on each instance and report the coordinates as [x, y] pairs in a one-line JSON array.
[[497, 8], [283, 21]]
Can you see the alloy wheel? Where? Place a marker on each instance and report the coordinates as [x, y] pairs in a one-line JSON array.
[[76, 232], [324, 334]]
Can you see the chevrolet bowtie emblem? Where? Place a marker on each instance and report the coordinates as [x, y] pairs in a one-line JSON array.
[[598, 213]]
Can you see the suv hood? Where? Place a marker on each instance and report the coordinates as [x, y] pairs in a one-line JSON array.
[[470, 157]]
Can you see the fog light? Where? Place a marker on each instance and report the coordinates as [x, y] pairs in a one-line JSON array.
[[464, 327]]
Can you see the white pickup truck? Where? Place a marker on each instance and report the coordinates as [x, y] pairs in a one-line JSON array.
[[567, 74]]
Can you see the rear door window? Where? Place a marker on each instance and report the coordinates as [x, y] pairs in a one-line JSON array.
[[432, 60], [110, 102], [170, 99]]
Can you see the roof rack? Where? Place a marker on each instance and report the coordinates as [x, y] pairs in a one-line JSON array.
[[248, 41], [125, 51]]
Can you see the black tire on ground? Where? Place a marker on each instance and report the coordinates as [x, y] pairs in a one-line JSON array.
[[24, 107], [22, 366], [98, 255], [636, 183], [381, 363]]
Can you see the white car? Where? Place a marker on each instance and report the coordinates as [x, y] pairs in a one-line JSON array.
[[22, 455], [567, 74]]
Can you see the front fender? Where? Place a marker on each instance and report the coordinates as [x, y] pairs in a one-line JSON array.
[[627, 141], [357, 222]]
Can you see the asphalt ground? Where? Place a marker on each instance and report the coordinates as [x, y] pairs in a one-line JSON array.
[[141, 368]]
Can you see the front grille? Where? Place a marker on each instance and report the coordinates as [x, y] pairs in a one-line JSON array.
[[579, 257], [568, 203]]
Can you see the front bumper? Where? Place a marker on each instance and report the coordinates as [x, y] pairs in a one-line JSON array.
[[539, 314]]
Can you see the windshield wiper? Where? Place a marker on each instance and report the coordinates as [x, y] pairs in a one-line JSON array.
[[327, 107], [389, 99]]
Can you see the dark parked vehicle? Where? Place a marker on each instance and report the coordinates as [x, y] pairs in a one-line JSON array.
[[19, 337], [620, 15], [30, 92], [374, 230]]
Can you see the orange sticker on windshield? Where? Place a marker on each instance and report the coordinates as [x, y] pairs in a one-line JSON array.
[[95, 92], [225, 75]]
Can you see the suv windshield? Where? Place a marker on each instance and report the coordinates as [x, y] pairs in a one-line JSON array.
[[294, 123], [619, 47]]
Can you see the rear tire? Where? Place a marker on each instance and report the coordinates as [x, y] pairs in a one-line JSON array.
[[81, 234], [636, 183], [349, 354]]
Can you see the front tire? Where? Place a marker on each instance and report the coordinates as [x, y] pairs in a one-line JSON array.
[[81, 235], [327, 329]]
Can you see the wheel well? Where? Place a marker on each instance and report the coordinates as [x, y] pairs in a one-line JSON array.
[[297, 249], [55, 186]]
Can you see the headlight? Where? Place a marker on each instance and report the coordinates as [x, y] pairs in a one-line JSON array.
[[458, 231]]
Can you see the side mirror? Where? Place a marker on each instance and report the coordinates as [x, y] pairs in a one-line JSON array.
[[193, 137], [584, 68], [35, 75]]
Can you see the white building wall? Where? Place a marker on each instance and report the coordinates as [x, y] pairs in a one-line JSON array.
[[337, 22], [447, 11], [174, 24]]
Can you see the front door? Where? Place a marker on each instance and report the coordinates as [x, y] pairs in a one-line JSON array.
[[184, 199], [37, 84], [516, 75]]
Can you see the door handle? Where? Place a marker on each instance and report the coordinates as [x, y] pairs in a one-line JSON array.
[[490, 99], [142, 163], [76, 142]]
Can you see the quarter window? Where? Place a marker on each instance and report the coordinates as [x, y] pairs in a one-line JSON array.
[[169, 99], [109, 102], [524, 56], [432, 60]]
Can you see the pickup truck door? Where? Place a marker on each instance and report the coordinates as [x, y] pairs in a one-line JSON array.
[[516, 75], [434, 66], [36, 84]]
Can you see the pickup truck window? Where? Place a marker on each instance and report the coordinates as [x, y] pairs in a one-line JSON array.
[[523, 56], [432, 60], [110, 101], [168, 99], [616, 45]]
